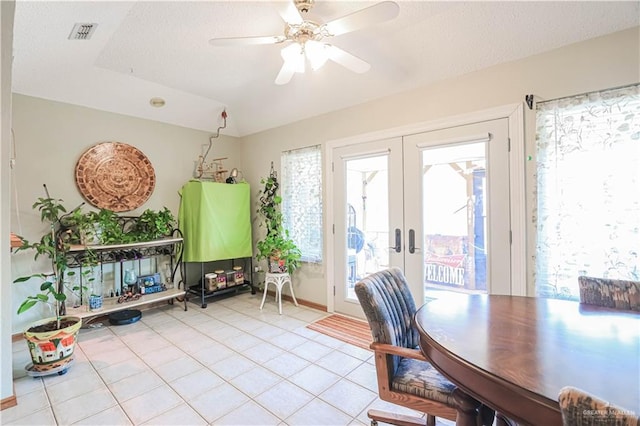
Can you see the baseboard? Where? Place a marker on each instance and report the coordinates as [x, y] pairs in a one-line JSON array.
[[308, 304], [10, 401], [302, 302]]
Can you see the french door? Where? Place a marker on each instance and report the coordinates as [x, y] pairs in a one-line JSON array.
[[435, 204]]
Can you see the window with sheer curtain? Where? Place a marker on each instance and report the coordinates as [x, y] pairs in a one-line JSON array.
[[588, 190], [302, 200]]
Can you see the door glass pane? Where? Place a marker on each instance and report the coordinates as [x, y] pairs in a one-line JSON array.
[[367, 218], [454, 218]]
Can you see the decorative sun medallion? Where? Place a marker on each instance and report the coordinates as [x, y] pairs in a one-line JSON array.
[[115, 176]]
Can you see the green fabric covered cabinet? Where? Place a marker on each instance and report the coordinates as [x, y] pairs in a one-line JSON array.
[[215, 219]]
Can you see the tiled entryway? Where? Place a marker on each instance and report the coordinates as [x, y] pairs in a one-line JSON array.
[[228, 364]]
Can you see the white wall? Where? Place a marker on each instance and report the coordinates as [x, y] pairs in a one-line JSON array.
[[6, 40], [51, 136], [596, 64]]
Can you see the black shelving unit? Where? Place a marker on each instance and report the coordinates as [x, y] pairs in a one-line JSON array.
[[200, 289]]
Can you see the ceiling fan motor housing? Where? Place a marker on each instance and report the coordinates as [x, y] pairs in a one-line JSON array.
[[301, 33]]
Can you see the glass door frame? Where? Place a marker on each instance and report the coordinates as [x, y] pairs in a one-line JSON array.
[[515, 113], [391, 149], [493, 135]]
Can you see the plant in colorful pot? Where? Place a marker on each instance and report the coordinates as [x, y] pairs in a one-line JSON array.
[[281, 252], [51, 341]]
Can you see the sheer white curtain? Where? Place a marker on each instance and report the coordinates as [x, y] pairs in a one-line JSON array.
[[588, 189], [302, 200]]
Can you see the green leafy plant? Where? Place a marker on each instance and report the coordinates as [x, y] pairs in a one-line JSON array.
[[47, 288], [152, 225], [52, 287], [105, 227], [82, 227], [109, 228], [276, 246], [279, 249]]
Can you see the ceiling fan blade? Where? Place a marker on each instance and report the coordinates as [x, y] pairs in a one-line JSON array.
[[246, 41], [347, 60], [379, 12], [285, 74], [289, 12]]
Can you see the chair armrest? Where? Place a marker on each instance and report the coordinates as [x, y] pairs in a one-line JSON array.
[[397, 350]]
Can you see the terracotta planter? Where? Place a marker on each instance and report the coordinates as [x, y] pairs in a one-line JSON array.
[[52, 349]]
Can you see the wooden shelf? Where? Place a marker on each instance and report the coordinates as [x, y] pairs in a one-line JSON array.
[[110, 304]]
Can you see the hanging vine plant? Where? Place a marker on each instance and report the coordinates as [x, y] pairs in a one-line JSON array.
[[277, 247]]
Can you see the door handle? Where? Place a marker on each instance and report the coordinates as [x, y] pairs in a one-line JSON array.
[[412, 241], [398, 247]]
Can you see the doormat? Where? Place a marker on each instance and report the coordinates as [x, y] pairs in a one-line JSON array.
[[349, 330]]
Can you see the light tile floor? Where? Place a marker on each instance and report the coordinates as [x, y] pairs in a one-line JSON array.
[[228, 364]]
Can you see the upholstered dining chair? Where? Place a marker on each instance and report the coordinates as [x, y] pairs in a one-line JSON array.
[[405, 377], [579, 408], [610, 293]]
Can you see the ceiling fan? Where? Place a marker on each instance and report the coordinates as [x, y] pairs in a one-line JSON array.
[[306, 38]]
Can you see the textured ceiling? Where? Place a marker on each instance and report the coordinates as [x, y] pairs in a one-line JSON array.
[[146, 49]]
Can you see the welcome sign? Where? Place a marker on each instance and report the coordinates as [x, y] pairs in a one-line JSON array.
[[446, 260], [446, 269]]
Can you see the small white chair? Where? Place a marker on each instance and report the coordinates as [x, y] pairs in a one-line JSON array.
[[279, 280]]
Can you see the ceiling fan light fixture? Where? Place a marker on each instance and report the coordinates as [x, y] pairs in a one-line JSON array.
[[293, 56], [317, 54]]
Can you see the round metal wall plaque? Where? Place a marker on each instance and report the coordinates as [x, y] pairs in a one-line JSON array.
[[115, 176]]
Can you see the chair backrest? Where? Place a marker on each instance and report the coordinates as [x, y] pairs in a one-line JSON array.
[[389, 307], [579, 408], [610, 293]]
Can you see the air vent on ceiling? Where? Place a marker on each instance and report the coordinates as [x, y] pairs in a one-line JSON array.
[[82, 31]]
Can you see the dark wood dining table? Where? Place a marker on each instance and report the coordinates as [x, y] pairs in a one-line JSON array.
[[515, 353]]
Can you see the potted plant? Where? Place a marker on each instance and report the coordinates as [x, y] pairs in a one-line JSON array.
[[81, 226], [109, 227], [277, 247], [105, 227], [52, 340], [152, 225]]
